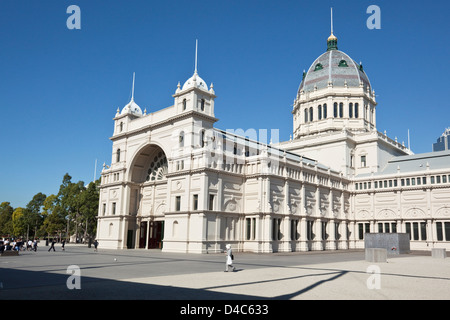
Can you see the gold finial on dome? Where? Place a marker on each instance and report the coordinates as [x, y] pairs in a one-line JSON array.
[[332, 40]]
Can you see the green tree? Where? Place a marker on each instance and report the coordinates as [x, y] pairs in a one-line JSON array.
[[89, 208], [19, 222], [33, 216], [6, 226]]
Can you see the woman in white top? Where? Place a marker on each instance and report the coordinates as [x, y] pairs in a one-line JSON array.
[[229, 258]]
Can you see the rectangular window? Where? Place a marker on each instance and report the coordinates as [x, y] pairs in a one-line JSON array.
[[395, 183], [309, 228], [113, 211], [276, 226], [337, 235], [413, 181], [363, 161], [439, 231], [432, 179], [423, 230], [380, 227], [438, 179], [104, 208], [447, 231], [415, 230], [324, 230], [403, 182], [444, 179], [385, 183], [387, 227], [408, 229], [195, 202], [211, 202], [177, 203], [254, 228], [407, 181], [394, 228], [248, 222], [390, 183], [418, 182], [376, 184], [424, 180], [361, 231], [294, 233]]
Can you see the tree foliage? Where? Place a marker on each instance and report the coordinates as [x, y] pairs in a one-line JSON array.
[[72, 211]]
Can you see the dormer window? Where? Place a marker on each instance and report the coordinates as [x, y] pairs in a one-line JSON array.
[[318, 67], [343, 63]]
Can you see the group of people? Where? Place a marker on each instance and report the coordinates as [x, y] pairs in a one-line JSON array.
[[31, 245], [18, 245]]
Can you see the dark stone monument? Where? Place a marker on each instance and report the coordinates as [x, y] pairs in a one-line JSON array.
[[394, 243]]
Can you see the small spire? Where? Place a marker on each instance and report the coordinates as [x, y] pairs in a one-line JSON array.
[[332, 40], [196, 47], [132, 90]]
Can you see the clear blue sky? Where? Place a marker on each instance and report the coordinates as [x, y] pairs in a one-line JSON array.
[[60, 88]]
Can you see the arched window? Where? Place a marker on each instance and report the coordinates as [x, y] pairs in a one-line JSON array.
[[335, 110], [319, 109], [341, 110], [118, 155], [306, 115], [184, 104], [311, 114], [181, 139], [350, 110], [202, 105], [121, 126], [356, 110], [324, 110]]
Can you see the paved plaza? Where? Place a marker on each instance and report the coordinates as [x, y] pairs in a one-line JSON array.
[[155, 275]]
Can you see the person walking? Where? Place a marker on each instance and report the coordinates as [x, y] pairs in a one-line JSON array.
[[230, 258], [35, 245], [63, 243], [52, 246], [95, 244]]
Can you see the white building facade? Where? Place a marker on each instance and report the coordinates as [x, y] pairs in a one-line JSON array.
[[178, 183]]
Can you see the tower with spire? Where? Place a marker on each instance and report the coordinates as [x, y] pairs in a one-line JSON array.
[[195, 95]]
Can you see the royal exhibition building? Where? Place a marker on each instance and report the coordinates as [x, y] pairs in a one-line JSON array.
[[179, 183]]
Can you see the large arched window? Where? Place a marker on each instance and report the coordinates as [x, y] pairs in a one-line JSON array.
[[324, 110], [335, 110], [311, 111], [158, 167], [306, 115], [356, 110], [341, 110], [319, 109], [350, 110]]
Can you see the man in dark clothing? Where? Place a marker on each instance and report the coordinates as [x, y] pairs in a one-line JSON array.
[[52, 245]]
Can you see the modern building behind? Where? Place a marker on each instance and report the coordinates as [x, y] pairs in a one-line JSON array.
[[443, 142]]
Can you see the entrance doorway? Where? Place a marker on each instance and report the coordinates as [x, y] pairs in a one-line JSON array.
[[155, 237], [143, 234]]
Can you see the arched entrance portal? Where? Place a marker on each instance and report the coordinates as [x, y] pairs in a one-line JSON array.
[[149, 195]]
